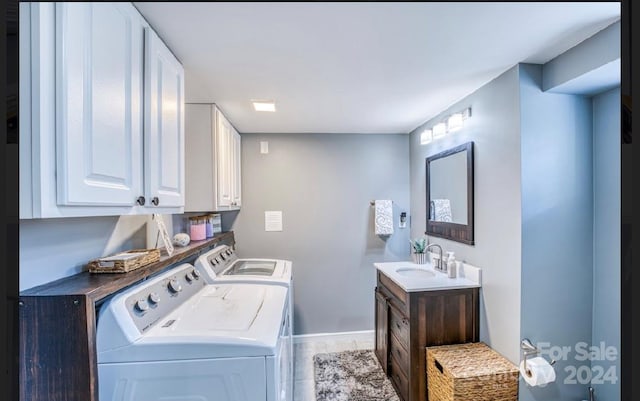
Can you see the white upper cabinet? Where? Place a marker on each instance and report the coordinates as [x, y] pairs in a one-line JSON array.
[[236, 190], [213, 167], [164, 124], [228, 158], [98, 104], [200, 183], [106, 97], [224, 160]]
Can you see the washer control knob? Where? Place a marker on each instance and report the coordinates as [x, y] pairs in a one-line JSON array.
[[174, 286], [217, 259], [189, 277], [142, 305], [154, 298], [196, 274], [222, 256]]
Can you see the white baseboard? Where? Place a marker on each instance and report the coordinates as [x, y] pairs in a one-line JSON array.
[[364, 335]]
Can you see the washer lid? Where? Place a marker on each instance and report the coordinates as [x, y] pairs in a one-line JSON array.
[[226, 308]]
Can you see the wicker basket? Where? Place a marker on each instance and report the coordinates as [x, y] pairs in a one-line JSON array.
[[470, 372], [124, 261]]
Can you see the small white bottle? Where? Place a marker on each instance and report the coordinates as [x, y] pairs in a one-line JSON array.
[[451, 265]]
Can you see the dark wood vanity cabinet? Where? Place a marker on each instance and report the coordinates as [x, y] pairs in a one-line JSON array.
[[407, 322]]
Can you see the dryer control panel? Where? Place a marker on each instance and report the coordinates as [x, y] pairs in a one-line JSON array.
[[221, 259], [153, 299]]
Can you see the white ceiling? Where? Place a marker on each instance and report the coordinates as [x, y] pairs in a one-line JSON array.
[[359, 67]]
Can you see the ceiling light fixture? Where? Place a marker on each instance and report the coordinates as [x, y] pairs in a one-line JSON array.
[[264, 105]]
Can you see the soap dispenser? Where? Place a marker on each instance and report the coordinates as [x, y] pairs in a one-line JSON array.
[[451, 265]]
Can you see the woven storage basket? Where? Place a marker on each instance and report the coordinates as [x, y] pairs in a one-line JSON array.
[[470, 372], [123, 262]]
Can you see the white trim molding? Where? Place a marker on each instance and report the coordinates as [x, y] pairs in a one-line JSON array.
[[364, 335]]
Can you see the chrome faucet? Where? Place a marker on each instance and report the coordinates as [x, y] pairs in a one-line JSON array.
[[438, 265]]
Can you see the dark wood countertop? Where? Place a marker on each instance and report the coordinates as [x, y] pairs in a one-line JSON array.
[[97, 286]]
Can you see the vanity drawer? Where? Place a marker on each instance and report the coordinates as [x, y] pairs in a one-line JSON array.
[[399, 326], [400, 296], [400, 353], [399, 379]]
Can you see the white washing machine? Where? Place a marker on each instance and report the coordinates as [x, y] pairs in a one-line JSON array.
[[222, 265], [175, 337]]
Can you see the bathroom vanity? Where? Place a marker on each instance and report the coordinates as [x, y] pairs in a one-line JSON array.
[[417, 307]]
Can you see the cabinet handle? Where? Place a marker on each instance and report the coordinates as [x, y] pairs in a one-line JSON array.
[[155, 201], [141, 200]]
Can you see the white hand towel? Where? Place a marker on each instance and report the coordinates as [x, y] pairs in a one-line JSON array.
[[383, 217], [442, 210]]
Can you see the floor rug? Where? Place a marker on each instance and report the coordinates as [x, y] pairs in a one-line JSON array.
[[351, 376]]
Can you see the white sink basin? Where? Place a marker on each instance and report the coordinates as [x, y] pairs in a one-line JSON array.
[[415, 272], [423, 277]]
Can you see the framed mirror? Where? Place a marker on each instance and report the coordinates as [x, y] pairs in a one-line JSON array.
[[450, 194]]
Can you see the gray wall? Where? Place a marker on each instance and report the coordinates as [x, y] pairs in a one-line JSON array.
[[323, 184], [584, 66], [557, 226], [606, 239], [495, 130], [51, 249], [55, 248]]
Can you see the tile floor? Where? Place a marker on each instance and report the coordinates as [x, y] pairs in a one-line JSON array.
[[303, 387]]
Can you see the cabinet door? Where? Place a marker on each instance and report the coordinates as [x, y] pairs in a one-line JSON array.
[[382, 330], [224, 148], [164, 125], [236, 180], [98, 60]]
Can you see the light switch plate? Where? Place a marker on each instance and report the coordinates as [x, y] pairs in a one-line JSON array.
[[264, 147]]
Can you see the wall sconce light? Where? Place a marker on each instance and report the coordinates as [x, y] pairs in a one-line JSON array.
[[439, 130], [426, 136], [454, 123]]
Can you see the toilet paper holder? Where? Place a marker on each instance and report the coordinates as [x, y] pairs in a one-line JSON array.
[[530, 349]]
